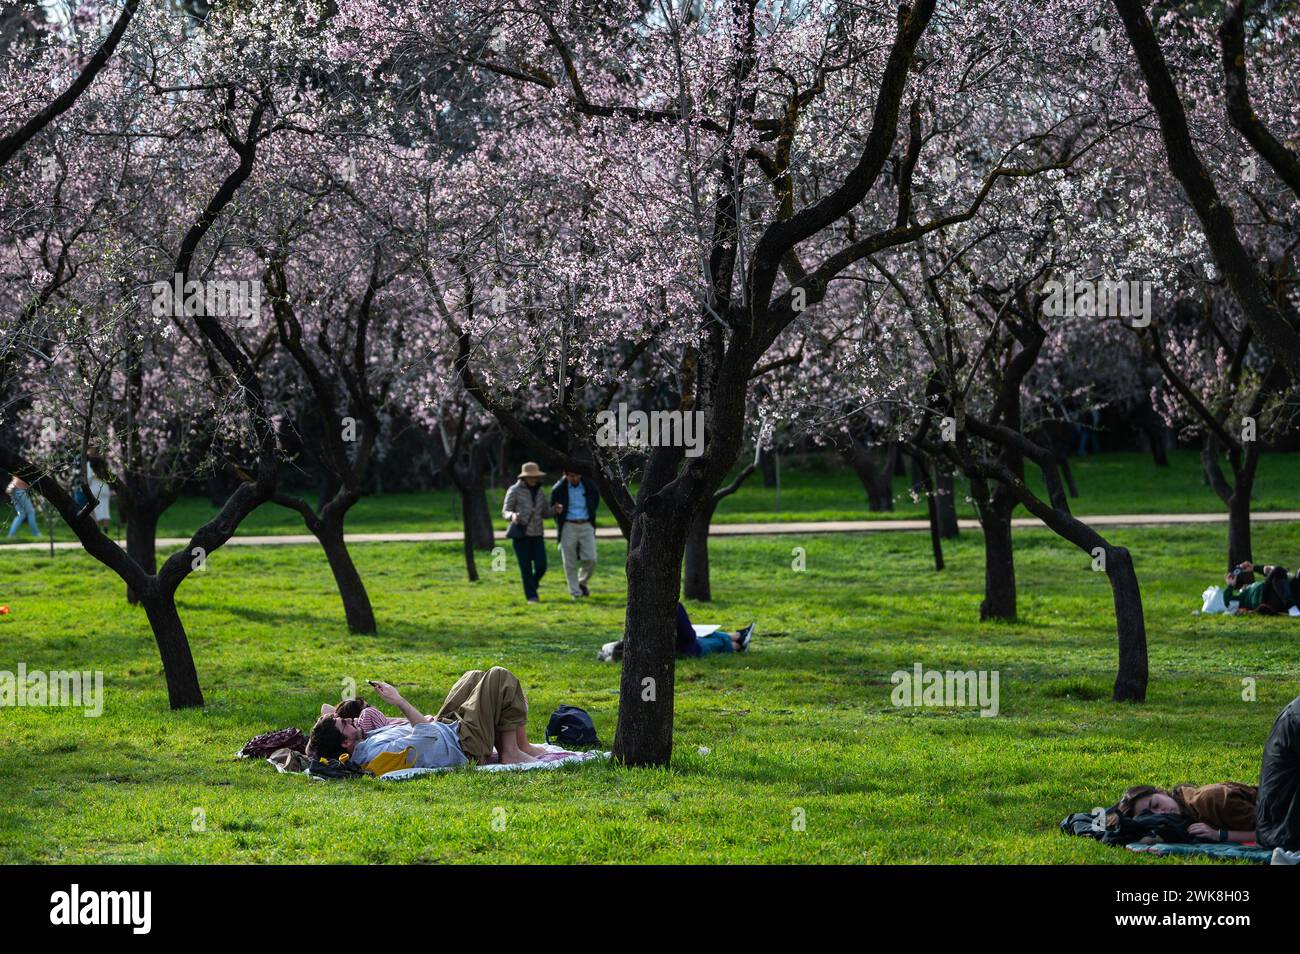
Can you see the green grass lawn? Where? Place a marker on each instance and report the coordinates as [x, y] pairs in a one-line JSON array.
[[801, 724], [1110, 483]]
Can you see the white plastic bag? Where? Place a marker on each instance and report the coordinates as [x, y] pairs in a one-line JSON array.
[[1212, 600]]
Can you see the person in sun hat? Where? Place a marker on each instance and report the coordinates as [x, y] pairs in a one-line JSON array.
[[526, 509]]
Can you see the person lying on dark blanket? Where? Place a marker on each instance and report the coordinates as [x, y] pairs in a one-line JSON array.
[[1268, 814], [1223, 811]]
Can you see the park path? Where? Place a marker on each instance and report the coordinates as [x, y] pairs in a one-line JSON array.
[[725, 529]]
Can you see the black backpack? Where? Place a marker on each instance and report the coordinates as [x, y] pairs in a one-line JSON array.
[[335, 769], [1169, 828], [571, 726]]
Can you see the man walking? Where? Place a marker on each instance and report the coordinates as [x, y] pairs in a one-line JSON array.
[[574, 500]]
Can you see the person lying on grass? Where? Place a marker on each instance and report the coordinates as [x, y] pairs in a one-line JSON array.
[[1224, 811], [1230, 811], [483, 710], [1276, 594], [688, 644]]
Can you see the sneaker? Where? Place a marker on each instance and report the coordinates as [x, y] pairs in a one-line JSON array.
[[587, 592], [533, 599], [745, 635], [1282, 857], [1294, 611]]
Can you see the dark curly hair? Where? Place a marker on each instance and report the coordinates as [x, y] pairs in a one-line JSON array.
[[326, 741]]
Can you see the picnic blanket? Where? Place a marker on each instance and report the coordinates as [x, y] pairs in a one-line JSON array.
[[554, 758], [1210, 849]]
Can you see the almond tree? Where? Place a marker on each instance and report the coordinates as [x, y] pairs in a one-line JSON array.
[[1265, 123], [214, 115], [678, 185]]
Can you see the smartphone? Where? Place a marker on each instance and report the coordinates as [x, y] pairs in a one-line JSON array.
[[373, 683]]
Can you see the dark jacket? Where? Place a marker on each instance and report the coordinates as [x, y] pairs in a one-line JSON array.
[[1277, 823], [687, 644], [560, 495]]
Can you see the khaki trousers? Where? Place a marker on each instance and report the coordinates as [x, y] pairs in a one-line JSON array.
[[578, 549], [484, 703]]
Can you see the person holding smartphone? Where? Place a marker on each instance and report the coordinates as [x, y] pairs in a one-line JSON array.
[[1275, 594], [483, 712]]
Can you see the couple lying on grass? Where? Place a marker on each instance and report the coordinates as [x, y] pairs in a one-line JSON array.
[[1268, 814], [1275, 595], [482, 712]]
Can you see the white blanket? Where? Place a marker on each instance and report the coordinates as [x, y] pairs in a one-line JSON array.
[[402, 775]]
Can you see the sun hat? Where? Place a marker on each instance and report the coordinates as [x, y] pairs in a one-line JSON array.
[[530, 469]]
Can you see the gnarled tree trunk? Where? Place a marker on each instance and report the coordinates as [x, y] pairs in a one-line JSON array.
[[141, 537], [357, 610], [874, 467], [159, 603], [654, 563], [946, 501], [695, 576], [999, 555]]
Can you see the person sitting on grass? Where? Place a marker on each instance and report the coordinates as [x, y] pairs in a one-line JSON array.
[[1274, 595], [483, 710]]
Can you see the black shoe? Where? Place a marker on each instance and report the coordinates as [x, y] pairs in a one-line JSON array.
[[744, 636], [583, 588]]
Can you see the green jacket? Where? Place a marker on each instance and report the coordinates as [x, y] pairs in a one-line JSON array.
[[1248, 596]]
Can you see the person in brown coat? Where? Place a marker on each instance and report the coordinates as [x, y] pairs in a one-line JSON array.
[[1223, 811]]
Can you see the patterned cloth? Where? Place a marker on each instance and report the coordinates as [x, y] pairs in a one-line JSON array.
[[266, 743], [1211, 849]]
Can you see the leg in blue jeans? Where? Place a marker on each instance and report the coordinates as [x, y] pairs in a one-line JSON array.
[[25, 511], [716, 642]]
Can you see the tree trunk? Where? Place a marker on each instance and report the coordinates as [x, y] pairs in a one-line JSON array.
[[696, 567], [1068, 473], [645, 711], [1156, 433], [1239, 545], [923, 483], [946, 500], [178, 663], [999, 562], [356, 601], [1131, 678], [141, 538], [469, 529], [1055, 489], [767, 464], [477, 516], [875, 469]]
